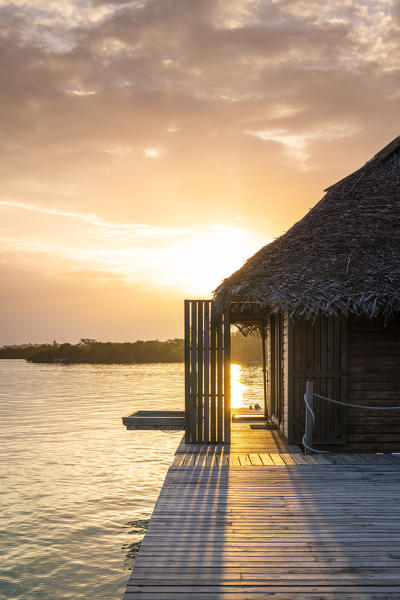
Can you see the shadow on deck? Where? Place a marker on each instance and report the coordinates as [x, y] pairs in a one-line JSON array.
[[287, 532]]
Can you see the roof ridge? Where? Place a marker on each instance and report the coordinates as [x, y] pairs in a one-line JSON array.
[[374, 161]]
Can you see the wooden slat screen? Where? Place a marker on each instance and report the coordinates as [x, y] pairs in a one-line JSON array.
[[207, 374]]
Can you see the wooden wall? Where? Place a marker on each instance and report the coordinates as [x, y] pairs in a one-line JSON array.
[[317, 350], [374, 379]]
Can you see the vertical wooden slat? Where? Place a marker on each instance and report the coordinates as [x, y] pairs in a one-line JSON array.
[[280, 366], [291, 392], [323, 379], [308, 419], [343, 372], [213, 376], [220, 376], [193, 378], [264, 367], [200, 309], [187, 371], [272, 362], [206, 371], [227, 378], [310, 347]]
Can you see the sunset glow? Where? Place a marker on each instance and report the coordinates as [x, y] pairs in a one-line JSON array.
[[149, 148]]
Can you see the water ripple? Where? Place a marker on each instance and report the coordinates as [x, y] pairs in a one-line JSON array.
[[77, 488]]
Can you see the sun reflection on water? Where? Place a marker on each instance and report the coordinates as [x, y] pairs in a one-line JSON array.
[[246, 385], [237, 387]]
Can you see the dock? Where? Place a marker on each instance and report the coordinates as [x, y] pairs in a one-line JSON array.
[[259, 519]]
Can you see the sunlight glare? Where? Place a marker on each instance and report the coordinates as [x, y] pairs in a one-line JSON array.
[[196, 265], [237, 387]]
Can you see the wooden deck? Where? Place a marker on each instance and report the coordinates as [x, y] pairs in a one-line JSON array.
[[243, 439], [305, 528]]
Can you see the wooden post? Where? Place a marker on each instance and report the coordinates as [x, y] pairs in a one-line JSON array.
[[213, 377], [193, 373], [264, 369], [227, 377], [199, 394], [187, 372], [220, 382], [207, 372], [309, 421]]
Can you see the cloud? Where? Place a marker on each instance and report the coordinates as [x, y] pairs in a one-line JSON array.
[[296, 145], [143, 254], [128, 127], [136, 231]]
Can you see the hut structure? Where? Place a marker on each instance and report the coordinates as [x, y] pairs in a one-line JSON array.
[[328, 294], [325, 297]]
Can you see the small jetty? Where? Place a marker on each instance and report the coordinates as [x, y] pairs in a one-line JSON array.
[[259, 519]]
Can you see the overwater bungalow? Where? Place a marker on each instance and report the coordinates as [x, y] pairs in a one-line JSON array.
[[243, 513], [325, 299]]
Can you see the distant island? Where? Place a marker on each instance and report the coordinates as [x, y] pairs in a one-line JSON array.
[[152, 351]]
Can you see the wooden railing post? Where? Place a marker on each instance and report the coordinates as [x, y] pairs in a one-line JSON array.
[[264, 368], [309, 420]]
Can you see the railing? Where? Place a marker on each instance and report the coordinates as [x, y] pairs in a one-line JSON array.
[[310, 415]]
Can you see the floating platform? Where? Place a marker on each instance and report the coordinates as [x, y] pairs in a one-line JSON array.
[[155, 419]]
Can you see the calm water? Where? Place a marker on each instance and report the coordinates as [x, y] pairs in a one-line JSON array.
[[77, 488]]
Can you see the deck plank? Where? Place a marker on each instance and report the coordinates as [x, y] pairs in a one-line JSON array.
[[252, 526], [258, 519]]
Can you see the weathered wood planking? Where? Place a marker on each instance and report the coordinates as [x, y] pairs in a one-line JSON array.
[[244, 440], [318, 351], [217, 458], [373, 379], [284, 530]]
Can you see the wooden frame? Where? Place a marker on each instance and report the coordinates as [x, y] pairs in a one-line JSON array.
[[276, 366]]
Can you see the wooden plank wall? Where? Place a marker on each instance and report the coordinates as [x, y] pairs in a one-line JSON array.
[[318, 351], [374, 379], [207, 373]]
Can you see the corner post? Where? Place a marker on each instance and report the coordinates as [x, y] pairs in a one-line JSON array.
[[309, 425], [227, 376], [264, 360], [187, 372]]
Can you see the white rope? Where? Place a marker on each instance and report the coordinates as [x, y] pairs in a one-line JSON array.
[[354, 405], [341, 404], [313, 422]]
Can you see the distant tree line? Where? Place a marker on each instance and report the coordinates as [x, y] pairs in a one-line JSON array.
[[23, 351], [91, 351]]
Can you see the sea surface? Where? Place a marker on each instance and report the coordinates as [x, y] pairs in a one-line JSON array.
[[77, 489]]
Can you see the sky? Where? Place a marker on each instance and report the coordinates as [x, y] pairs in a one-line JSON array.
[[148, 148]]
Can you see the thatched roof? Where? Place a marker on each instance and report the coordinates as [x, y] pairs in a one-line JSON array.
[[342, 258]]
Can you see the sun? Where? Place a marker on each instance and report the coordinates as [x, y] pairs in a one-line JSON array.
[[200, 262]]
